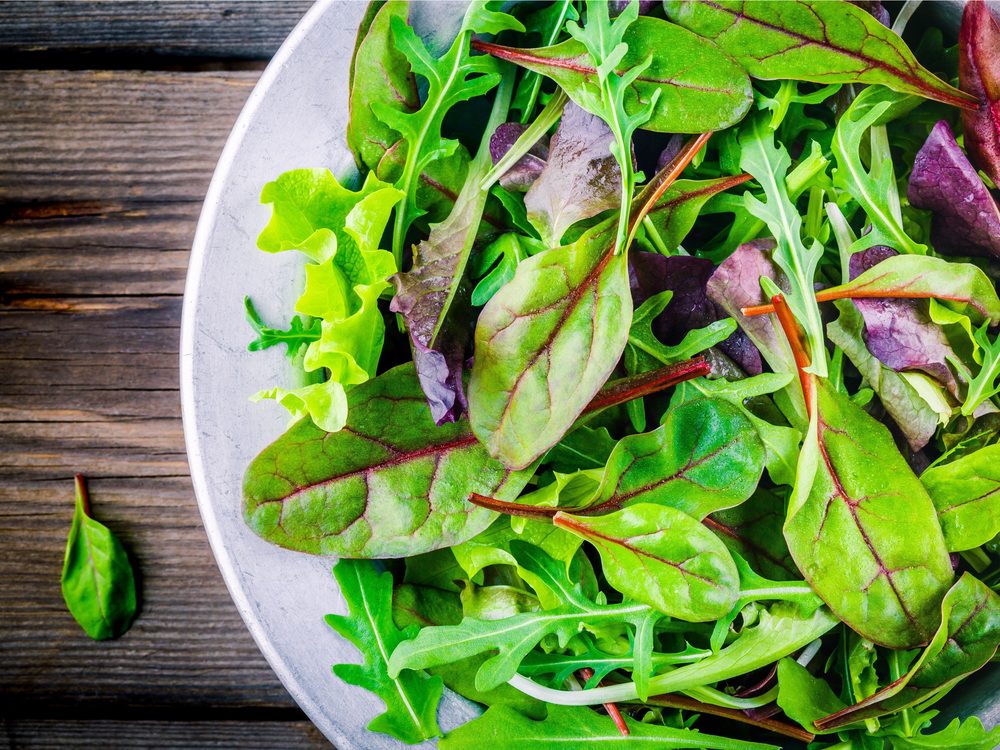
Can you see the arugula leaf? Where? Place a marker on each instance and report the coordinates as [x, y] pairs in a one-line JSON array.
[[843, 523], [823, 42], [98, 584], [968, 735], [505, 729], [410, 697], [675, 213], [515, 636], [454, 77], [509, 249], [982, 385], [966, 494], [662, 557], [296, 337]]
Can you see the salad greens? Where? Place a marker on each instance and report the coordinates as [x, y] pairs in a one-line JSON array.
[[651, 365]]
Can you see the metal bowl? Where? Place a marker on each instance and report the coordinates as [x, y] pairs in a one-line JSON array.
[[296, 117]]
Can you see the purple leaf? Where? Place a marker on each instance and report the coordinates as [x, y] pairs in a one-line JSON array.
[[966, 218], [735, 284], [689, 308], [615, 7], [899, 332], [580, 180], [673, 147], [527, 169], [876, 8], [979, 75]]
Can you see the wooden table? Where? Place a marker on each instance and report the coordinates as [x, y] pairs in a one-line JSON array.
[[112, 116]]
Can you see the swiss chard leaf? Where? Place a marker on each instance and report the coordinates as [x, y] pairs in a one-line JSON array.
[[966, 639], [98, 585], [700, 87], [843, 524], [979, 75], [410, 697], [502, 728], [823, 42], [966, 493], [753, 530], [389, 484], [662, 557], [546, 343]]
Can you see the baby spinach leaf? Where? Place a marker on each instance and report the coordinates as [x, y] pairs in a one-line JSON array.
[[662, 557], [778, 632], [455, 77], [979, 75], [581, 177], [966, 494], [700, 87], [843, 524], [514, 637], [389, 484], [704, 457], [546, 343], [502, 728], [803, 697], [410, 697], [433, 295], [966, 217], [823, 42], [966, 639], [753, 530], [674, 214], [98, 585]]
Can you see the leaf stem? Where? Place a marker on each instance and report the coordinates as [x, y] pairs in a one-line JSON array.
[[829, 295], [536, 78], [82, 497], [793, 333], [586, 673], [683, 702]]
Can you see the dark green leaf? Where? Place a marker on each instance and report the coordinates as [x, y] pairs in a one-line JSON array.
[[411, 697], [966, 493], [675, 213], [802, 697], [844, 520], [823, 42], [98, 585], [967, 735], [753, 530]]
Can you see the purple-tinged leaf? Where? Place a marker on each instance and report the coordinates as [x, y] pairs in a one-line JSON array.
[[875, 8], [966, 217], [979, 75], [527, 169], [673, 147], [899, 332], [615, 7], [581, 178], [689, 308], [735, 284]]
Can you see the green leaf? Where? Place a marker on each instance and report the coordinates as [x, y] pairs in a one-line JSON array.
[[296, 337], [98, 585], [503, 728], [823, 42], [843, 524], [662, 557], [410, 697], [966, 494], [546, 343], [967, 735], [514, 637], [966, 639], [509, 249], [389, 484], [982, 386], [704, 457], [753, 530], [802, 697], [700, 87], [675, 213], [583, 448]]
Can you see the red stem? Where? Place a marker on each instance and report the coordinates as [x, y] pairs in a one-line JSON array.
[[628, 389], [793, 334], [829, 295], [611, 708], [81, 491]]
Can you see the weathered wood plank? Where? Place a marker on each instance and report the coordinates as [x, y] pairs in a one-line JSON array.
[[83, 734], [101, 179], [210, 29]]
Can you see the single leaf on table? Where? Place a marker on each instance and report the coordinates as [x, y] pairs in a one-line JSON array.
[[752, 529], [700, 87], [822, 42], [514, 637], [662, 557], [674, 214], [98, 584], [503, 728], [966, 493], [803, 697], [979, 75], [389, 484], [581, 177], [966, 639], [908, 409], [546, 343], [966, 217], [843, 523], [410, 697], [434, 296]]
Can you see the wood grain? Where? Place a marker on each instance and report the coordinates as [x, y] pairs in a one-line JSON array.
[[33, 32], [101, 179]]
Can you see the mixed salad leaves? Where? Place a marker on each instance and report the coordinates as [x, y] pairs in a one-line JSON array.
[[652, 356]]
